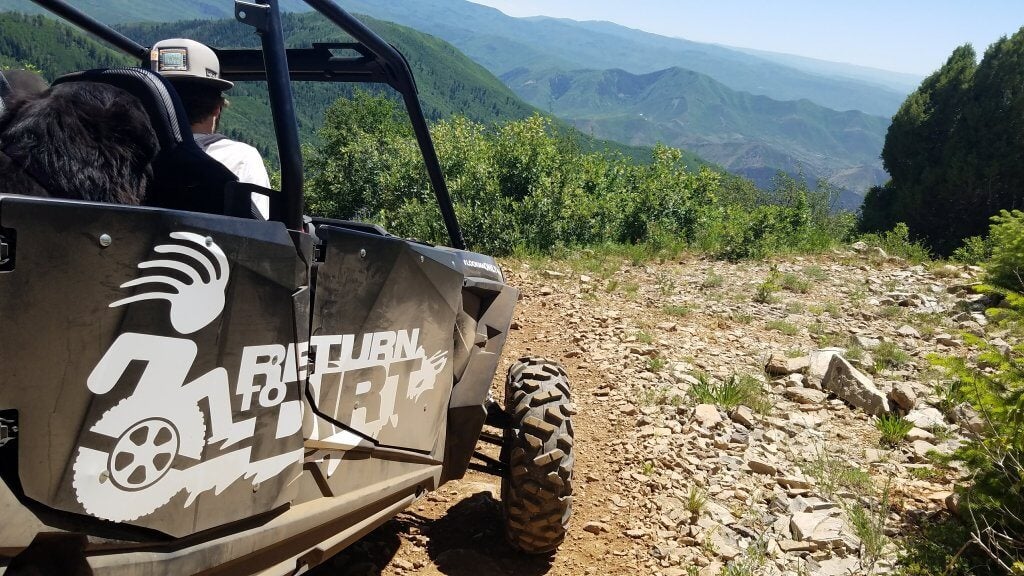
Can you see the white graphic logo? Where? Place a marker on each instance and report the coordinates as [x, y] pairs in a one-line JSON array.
[[159, 433], [160, 423]]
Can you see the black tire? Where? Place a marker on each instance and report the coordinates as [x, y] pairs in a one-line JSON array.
[[536, 493]]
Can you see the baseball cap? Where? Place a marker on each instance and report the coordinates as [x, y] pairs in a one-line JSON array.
[[184, 59]]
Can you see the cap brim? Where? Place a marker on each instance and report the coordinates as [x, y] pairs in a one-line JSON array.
[[216, 82]]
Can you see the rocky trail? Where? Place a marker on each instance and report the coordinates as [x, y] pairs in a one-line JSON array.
[[726, 419]]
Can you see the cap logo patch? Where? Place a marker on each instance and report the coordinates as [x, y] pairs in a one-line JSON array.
[[173, 60]]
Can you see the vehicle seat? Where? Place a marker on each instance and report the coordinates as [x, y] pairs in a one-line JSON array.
[[184, 177]]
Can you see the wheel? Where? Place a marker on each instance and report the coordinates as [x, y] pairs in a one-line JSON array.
[[536, 492], [136, 476]]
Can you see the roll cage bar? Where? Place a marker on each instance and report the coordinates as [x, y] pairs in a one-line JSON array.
[[369, 59]]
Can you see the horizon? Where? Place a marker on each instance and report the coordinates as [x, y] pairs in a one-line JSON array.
[[915, 37]]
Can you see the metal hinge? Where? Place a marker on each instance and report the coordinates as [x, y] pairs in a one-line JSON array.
[[255, 15]]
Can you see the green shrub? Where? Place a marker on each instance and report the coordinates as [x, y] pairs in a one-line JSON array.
[[893, 427], [784, 327], [794, 283], [1006, 266], [526, 187], [889, 356], [897, 242], [974, 251], [734, 391]]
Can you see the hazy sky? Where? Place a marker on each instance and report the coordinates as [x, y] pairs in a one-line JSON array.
[[913, 36]]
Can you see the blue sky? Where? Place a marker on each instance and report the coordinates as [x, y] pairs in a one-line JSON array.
[[914, 36]]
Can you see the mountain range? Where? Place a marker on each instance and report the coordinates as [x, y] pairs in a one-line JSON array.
[[752, 112]]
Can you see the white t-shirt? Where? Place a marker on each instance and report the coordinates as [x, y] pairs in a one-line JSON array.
[[246, 163]]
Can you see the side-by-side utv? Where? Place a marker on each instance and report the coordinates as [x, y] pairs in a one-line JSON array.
[[186, 388]]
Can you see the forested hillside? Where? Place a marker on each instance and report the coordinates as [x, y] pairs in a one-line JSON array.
[[954, 149], [119, 11], [449, 83], [753, 136]]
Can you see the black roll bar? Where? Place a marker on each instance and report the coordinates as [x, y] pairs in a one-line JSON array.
[[266, 18], [378, 62], [96, 28], [397, 69]]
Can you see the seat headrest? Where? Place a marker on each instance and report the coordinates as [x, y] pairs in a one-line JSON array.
[[184, 177], [153, 91]]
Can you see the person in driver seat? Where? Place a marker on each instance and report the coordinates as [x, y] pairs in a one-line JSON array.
[[194, 71]]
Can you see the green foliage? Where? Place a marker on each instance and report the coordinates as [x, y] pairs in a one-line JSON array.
[[834, 473], [889, 356], [712, 280], [993, 385], [953, 150], [974, 250], [794, 283], [897, 242], [523, 186], [52, 48], [893, 427], [869, 526], [734, 391], [1005, 268], [676, 310], [784, 327], [766, 290]]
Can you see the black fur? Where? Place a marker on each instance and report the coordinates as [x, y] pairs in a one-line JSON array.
[[79, 140]]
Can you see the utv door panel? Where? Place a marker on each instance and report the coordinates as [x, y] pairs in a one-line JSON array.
[[146, 354], [382, 342]]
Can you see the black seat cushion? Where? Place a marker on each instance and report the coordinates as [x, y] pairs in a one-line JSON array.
[[184, 177]]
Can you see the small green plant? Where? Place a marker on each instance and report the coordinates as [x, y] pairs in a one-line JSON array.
[[869, 526], [822, 337], [751, 562], [794, 283], [677, 310], [644, 337], [834, 473], [794, 307], [666, 284], [795, 353], [695, 501], [854, 353], [893, 428], [815, 273], [897, 242], [891, 312], [1006, 266], [734, 391], [647, 468], [712, 280], [631, 289], [656, 364], [889, 356], [832, 309], [784, 327], [766, 290], [929, 473], [744, 318], [974, 251], [611, 286]]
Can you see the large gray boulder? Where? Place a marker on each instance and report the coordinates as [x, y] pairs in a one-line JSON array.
[[853, 387]]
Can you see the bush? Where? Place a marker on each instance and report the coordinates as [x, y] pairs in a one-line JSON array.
[[524, 187], [1006, 266], [974, 251], [897, 242]]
